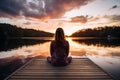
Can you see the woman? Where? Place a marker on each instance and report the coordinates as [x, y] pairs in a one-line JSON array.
[[59, 50]]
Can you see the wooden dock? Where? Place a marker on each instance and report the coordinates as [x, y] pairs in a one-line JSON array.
[[79, 69]]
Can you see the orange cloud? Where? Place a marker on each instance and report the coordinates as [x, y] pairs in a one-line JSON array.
[[81, 19]]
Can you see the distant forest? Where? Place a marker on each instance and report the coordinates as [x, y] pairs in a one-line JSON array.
[[111, 31], [8, 31]]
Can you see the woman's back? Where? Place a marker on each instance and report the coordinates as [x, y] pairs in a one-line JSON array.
[[59, 50]]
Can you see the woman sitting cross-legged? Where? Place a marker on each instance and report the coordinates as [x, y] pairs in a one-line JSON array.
[[59, 50]]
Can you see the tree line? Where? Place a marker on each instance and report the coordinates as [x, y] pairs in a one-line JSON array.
[[112, 31], [7, 31]]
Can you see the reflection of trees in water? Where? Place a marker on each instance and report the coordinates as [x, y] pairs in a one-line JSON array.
[[99, 42], [16, 43]]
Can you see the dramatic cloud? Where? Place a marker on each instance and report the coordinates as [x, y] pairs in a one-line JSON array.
[[84, 19], [41, 9], [112, 18], [81, 19], [91, 19], [27, 23], [11, 7], [114, 7], [103, 19]]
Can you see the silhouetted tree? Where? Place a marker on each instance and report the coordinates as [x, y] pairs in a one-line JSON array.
[[113, 31], [7, 31]]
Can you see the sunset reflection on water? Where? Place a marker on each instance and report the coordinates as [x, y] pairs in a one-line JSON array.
[[77, 49], [104, 55]]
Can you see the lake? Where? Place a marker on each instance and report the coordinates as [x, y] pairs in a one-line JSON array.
[[16, 52]]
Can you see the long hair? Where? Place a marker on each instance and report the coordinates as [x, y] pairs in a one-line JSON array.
[[59, 34]]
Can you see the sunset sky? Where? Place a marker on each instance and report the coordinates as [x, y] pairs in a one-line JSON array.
[[71, 15]]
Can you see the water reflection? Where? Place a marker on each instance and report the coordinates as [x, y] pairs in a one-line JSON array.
[[16, 43], [105, 53], [28, 51], [99, 42]]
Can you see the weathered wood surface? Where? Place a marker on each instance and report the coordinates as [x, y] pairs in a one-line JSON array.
[[79, 69]]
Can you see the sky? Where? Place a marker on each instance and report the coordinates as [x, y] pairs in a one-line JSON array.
[[71, 15]]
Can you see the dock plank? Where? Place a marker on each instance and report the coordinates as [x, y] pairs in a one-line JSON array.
[[79, 69]]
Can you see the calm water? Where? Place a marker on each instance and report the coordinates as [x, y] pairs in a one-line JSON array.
[[104, 52]]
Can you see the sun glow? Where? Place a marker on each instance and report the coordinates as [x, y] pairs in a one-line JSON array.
[[68, 33]]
